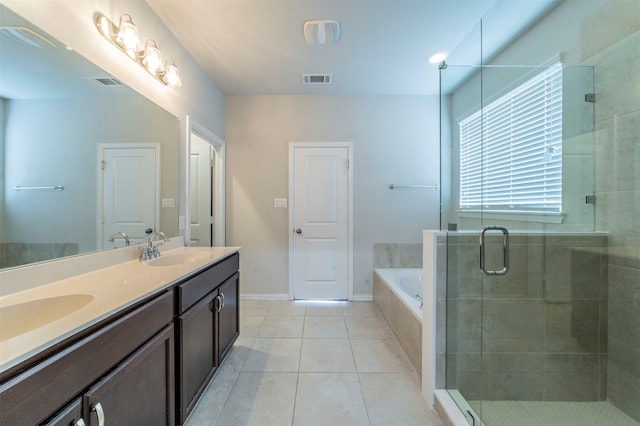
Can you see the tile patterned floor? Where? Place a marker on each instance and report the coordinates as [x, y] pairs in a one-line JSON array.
[[308, 363]]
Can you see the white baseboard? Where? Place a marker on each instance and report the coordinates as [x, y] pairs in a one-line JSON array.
[[363, 298], [270, 296], [284, 296]]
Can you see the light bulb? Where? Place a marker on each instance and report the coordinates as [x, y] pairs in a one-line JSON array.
[[152, 58], [438, 57], [171, 75], [127, 36]]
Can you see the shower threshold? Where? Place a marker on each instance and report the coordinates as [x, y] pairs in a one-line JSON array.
[[546, 413]]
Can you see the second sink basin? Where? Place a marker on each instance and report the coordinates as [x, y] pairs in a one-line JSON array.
[[24, 317]]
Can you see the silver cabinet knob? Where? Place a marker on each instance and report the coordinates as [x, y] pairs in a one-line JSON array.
[[298, 231]]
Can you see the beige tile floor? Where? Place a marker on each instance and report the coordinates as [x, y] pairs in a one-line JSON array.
[[313, 363]]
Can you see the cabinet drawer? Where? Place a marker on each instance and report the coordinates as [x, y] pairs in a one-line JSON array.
[[197, 287], [36, 393]]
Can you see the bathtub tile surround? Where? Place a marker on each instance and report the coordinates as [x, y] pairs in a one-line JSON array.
[[15, 254], [404, 323], [363, 378], [394, 255]]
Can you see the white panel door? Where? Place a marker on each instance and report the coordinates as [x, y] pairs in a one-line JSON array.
[[321, 223], [200, 194], [129, 192]]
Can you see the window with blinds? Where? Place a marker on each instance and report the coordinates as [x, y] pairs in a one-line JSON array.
[[511, 150]]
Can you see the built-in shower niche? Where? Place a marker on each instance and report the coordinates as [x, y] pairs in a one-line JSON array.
[[537, 334]]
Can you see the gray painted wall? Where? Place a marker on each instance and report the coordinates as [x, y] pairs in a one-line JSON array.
[[395, 140]]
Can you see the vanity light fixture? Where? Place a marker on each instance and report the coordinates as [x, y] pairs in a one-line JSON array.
[[125, 37]]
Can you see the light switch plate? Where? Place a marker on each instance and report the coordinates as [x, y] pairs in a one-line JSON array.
[[168, 203], [280, 203]]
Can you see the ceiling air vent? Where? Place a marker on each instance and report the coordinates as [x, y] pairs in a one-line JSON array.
[[26, 37], [106, 81], [317, 78]]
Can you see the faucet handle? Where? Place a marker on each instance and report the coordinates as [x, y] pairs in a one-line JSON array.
[[145, 253]]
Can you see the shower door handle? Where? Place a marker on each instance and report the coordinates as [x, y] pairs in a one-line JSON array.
[[505, 250]]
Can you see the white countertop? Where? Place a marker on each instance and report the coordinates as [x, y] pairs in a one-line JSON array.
[[96, 295]]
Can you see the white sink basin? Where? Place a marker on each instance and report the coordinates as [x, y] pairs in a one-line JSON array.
[[173, 259], [24, 317]]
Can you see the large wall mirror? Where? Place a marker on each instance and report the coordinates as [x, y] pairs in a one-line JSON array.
[[66, 123]]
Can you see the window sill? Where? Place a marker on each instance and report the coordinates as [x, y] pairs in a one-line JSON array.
[[541, 217]]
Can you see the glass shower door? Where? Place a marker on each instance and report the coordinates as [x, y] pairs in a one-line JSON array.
[[525, 274]]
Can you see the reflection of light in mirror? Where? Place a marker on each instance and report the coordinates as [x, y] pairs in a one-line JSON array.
[[53, 120]]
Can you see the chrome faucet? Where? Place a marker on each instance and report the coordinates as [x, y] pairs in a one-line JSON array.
[[152, 251], [113, 237]]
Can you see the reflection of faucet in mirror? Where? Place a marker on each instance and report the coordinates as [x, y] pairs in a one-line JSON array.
[[151, 251], [38, 101], [119, 234]]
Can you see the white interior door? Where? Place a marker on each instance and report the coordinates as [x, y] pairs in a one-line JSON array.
[[130, 191], [320, 222], [200, 195]]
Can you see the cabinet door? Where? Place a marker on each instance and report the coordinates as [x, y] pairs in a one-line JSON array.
[[228, 324], [140, 391], [196, 354]]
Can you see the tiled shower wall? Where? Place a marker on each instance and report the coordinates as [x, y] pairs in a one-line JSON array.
[[623, 367], [617, 138], [538, 333]]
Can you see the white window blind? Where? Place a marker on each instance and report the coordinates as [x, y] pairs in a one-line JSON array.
[[511, 150]]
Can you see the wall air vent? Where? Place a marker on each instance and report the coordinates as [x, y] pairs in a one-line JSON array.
[[26, 37], [317, 78], [106, 81]]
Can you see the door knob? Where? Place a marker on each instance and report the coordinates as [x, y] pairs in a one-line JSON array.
[[298, 231]]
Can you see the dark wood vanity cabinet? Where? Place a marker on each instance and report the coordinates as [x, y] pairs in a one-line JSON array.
[[228, 321], [124, 364], [206, 328], [146, 365], [139, 391]]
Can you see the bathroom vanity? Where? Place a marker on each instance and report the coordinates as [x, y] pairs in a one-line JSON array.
[[144, 361]]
